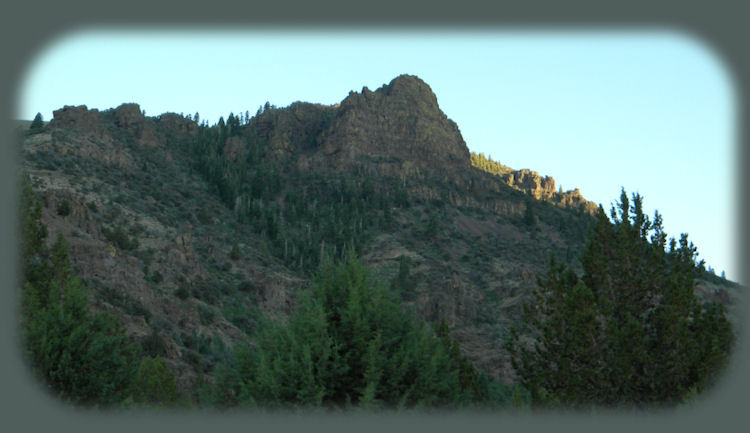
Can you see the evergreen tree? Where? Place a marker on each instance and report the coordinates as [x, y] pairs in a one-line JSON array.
[[403, 283], [79, 358], [348, 344], [37, 125], [472, 389], [631, 331], [154, 383]]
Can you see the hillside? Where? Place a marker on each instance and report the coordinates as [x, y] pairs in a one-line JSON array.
[[190, 233]]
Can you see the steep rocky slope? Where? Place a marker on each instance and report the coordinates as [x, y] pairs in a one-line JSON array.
[[191, 233]]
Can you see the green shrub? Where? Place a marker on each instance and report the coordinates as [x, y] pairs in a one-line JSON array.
[[207, 293], [63, 207], [247, 287], [153, 345], [348, 344], [154, 383], [206, 314], [182, 293], [119, 237], [235, 253]]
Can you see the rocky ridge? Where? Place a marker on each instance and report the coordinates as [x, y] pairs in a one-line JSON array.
[[399, 124], [474, 257]]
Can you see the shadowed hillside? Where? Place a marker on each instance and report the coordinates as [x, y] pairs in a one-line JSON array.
[[193, 234]]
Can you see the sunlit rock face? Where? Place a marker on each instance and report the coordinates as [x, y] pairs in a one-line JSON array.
[[399, 123]]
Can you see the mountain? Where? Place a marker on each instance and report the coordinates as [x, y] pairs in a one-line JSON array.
[[192, 233]]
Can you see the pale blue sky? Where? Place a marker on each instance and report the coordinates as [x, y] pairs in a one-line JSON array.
[[651, 111]]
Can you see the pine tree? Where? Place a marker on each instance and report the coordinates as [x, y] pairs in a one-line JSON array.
[[631, 331], [79, 358], [348, 344], [403, 283], [154, 383], [37, 125]]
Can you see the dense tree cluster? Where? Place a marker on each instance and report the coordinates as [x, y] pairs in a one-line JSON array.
[[303, 215], [350, 344], [630, 331]]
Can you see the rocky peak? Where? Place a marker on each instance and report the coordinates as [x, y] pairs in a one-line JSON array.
[[177, 124], [129, 116], [92, 122], [78, 117], [400, 121]]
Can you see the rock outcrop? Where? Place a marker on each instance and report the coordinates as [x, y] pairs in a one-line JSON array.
[[400, 121], [101, 125], [175, 124], [531, 182], [293, 130], [79, 118]]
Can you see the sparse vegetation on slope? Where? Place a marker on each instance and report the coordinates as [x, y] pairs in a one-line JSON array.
[[190, 235]]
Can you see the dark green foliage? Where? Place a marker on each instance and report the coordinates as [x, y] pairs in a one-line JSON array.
[[33, 235], [63, 207], [246, 286], [348, 344], [206, 292], [304, 216], [182, 293], [37, 125], [82, 359], [529, 216], [404, 284], [207, 315], [119, 237], [472, 387], [154, 383], [157, 277], [235, 253], [631, 331], [153, 345]]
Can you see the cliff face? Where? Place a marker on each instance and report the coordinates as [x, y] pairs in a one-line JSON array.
[[79, 118], [292, 130], [531, 182], [399, 122]]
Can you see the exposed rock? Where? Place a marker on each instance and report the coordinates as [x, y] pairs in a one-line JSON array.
[[543, 188], [400, 121], [80, 118], [294, 129], [99, 125], [129, 116], [531, 182], [575, 199], [175, 124]]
